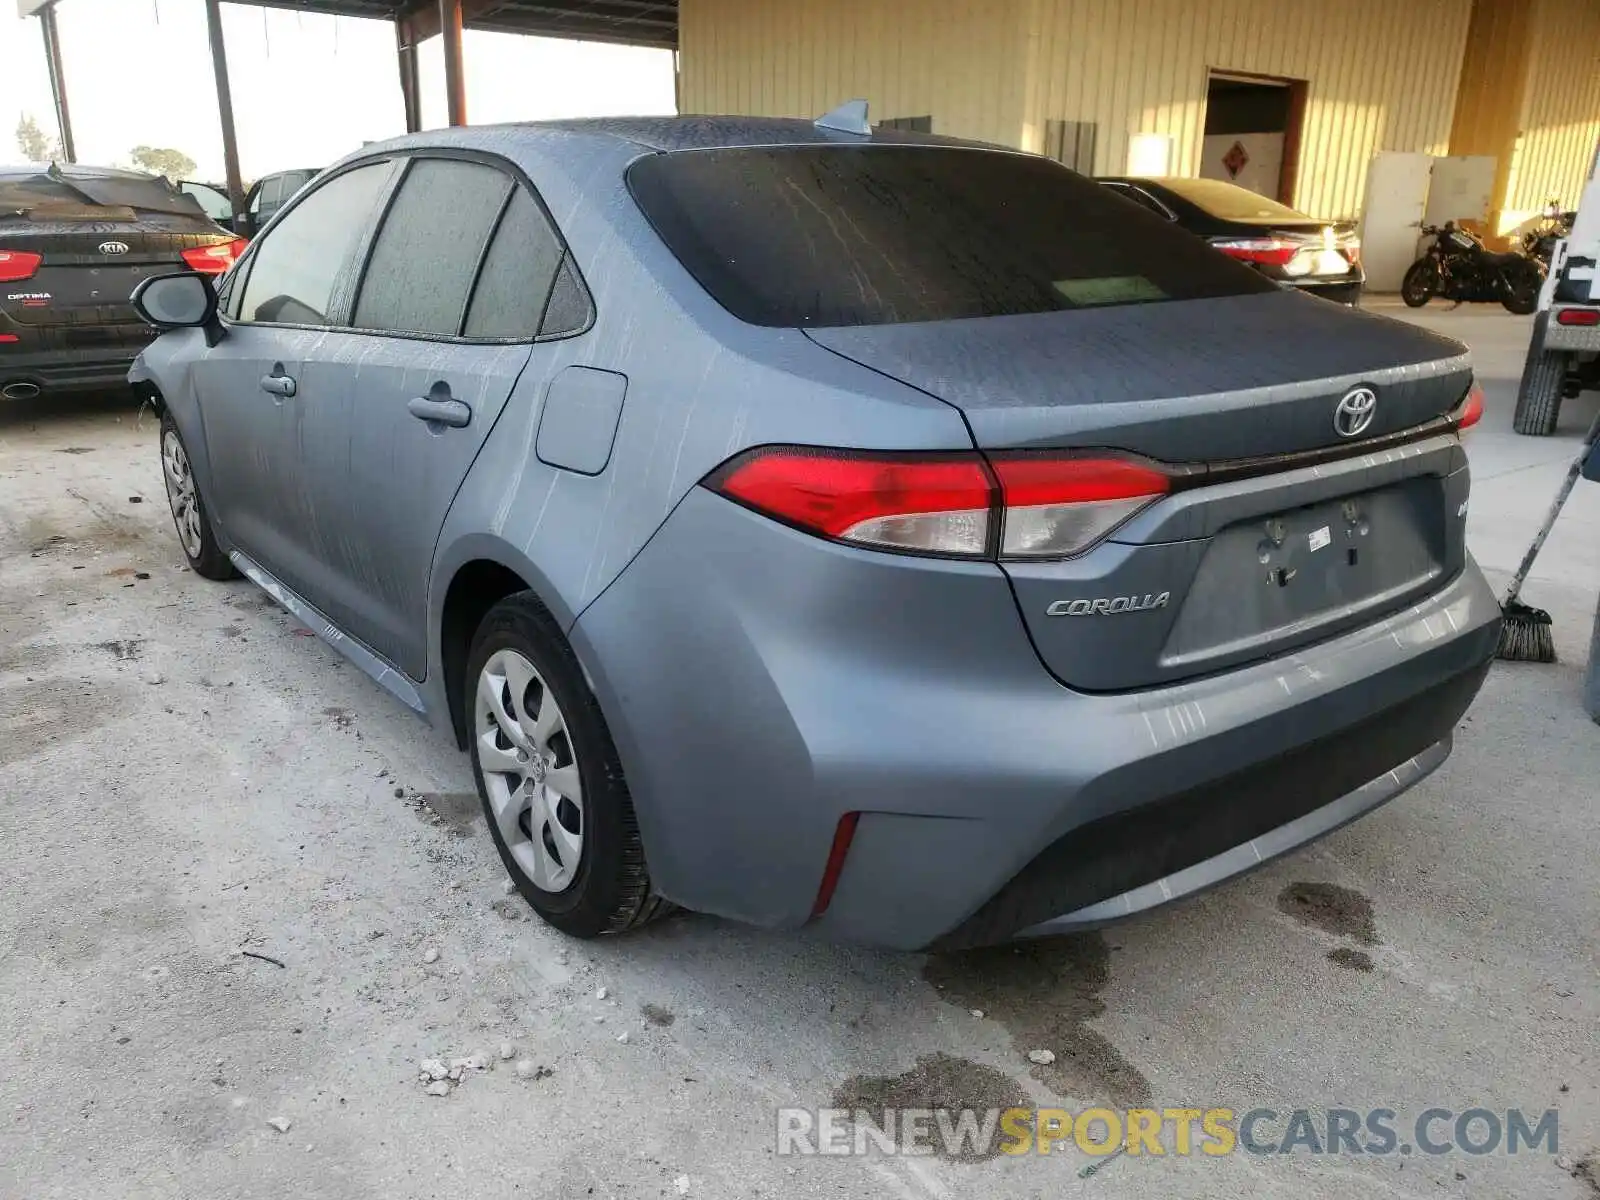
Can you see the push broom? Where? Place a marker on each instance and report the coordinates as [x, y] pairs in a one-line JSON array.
[[1525, 633]]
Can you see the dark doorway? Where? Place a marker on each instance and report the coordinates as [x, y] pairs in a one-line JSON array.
[[1252, 133]]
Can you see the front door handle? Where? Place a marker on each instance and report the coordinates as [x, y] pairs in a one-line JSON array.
[[451, 412], [278, 383]]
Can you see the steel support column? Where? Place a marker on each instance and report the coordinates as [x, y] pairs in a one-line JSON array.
[[230, 143], [454, 74], [58, 81], [410, 90]]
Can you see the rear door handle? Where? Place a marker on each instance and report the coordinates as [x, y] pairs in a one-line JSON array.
[[278, 385], [451, 412]]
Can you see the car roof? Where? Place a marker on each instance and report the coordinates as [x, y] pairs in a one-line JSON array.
[[709, 132]]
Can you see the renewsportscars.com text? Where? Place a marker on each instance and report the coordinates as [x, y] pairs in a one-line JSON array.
[[1213, 1132]]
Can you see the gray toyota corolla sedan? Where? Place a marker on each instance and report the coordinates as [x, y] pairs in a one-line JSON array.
[[903, 538]]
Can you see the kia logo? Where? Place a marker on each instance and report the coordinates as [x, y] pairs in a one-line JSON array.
[[1355, 411], [113, 247]]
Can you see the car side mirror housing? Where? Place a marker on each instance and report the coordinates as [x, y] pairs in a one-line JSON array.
[[181, 301]]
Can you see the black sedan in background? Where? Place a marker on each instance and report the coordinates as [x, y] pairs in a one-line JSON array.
[[1320, 257], [74, 243]]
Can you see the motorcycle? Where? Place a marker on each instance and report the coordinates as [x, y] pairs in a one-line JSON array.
[[1540, 241], [1457, 266]]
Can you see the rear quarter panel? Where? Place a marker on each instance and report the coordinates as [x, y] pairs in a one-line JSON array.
[[701, 387]]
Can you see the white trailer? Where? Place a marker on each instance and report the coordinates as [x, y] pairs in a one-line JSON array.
[[1564, 354]]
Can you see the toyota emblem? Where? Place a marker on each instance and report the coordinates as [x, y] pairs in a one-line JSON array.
[[113, 247], [1355, 412]]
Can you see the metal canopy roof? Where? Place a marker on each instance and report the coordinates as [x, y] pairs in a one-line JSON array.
[[634, 22]]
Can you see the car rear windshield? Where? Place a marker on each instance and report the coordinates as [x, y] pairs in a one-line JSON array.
[[885, 234], [1229, 202], [47, 197]]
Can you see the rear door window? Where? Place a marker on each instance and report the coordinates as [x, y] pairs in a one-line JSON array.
[[423, 265], [513, 289], [883, 234], [296, 266]]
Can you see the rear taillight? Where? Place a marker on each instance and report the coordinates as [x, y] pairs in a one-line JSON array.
[[17, 265], [1578, 316], [935, 504], [1471, 410], [1025, 505], [1055, 507], [1271, 252], [214, 260]]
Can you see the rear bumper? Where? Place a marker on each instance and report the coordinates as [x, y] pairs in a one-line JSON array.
[[760, 684], [1344, 291], [69, 370], [1570, 337]]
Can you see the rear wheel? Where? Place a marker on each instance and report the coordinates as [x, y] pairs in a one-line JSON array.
[[1420, 284], [1522, 290], [552, 788], [1539, 394], [189, 513]]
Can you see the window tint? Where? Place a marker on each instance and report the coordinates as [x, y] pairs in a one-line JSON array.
[[427, 254], [517, 274], [876, 234], [295, 266], [569, 308]]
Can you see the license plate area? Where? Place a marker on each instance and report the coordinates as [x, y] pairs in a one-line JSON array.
[[1310, 571]]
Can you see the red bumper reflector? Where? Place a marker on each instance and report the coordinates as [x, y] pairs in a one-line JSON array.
[[842, 837], [9, 337], [1578, 316], [1471, 407], [17, 265]]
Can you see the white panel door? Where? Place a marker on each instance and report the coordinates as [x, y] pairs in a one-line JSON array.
[[1463, 185], [1391, 223]]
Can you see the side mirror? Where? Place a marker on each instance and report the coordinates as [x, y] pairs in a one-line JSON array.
[[184, 301], [175, 301]]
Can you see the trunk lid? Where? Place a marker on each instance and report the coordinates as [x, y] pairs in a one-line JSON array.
[[1313, 534], [1191, 381]]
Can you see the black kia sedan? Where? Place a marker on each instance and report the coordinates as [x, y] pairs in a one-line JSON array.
[[1290, 248], [74, 243]]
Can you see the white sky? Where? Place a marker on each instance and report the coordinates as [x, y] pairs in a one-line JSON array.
[[306, 89]]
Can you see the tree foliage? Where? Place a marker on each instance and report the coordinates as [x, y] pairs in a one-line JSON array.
[[174, 164], [33, 143]]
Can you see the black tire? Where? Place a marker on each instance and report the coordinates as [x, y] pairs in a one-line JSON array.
[[1522, 289], [199, 541], [611, 890], [1420, 284], [1539, 393]]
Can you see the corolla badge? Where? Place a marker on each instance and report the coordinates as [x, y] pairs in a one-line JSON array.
[[113, 247], [1355, 411], [1105, 606]]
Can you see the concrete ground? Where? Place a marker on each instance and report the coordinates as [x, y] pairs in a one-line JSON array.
[[184, 777]]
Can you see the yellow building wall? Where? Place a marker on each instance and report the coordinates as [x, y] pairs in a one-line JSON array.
[[956, 60], [1494, 89], [1382, 74], [1561, 112]]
